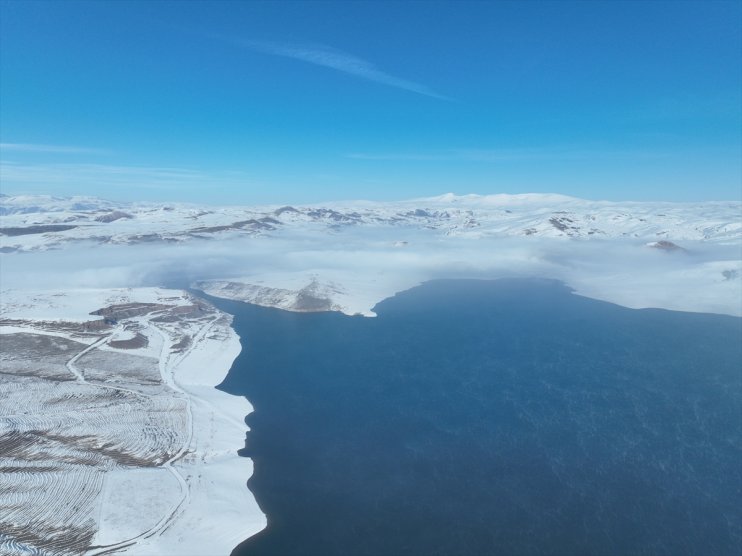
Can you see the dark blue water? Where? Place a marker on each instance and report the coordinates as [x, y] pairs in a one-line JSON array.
[[493, 417]]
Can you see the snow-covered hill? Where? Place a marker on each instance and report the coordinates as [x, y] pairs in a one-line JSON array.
[[114, 436]]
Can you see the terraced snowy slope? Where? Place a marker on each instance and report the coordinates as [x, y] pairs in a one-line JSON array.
[[111, 433]]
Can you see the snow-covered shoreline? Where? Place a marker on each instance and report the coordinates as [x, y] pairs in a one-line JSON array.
[[193, 502], [222, 512]]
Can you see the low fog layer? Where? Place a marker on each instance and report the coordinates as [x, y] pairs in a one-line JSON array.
[[365, 265]]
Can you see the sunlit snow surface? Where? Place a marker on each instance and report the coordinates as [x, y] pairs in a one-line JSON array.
[[60, 259]]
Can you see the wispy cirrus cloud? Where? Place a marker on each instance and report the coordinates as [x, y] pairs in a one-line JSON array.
[[90, 178], [514, 154], [51, 149], [340, 61]]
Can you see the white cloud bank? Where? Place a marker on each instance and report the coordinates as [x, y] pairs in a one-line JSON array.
[[50, 149], [368, 265]]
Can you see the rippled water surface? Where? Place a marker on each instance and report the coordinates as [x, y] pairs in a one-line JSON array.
[[493, 417]]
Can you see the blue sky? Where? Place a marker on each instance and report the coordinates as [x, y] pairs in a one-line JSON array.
[[250, 102]]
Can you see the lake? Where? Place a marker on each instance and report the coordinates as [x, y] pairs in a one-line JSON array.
[[492, 417]]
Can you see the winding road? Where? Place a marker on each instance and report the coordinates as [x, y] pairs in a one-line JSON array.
[[168, 378]]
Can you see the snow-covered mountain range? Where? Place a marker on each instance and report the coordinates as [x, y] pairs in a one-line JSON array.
[[41, 222]]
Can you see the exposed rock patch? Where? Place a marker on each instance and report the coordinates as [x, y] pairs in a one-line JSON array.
[[665, 245], [113, 216], [30, 230]]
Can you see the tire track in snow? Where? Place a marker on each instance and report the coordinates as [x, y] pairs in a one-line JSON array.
[[168, 378]]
